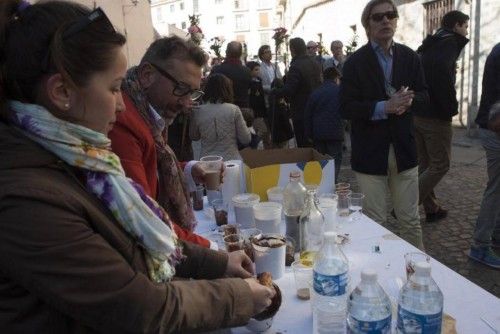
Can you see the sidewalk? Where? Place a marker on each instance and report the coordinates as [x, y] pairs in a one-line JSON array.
[[460, 192]]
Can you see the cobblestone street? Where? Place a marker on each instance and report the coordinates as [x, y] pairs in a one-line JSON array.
[[460, 192]]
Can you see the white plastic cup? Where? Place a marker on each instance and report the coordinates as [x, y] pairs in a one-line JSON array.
[[267, 216], [270, 259], [243, 209]]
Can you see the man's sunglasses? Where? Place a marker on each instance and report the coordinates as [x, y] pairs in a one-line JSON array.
[[97, 15], [181, 89], [391, 15]]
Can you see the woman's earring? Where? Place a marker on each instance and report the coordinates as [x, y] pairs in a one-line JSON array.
[[66, 106]]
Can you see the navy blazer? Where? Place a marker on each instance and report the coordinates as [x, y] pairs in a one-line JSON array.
[[362, 87]]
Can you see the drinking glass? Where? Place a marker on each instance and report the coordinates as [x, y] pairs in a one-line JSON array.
[[355, 205]]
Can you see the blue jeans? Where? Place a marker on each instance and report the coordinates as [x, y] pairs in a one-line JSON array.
[[488, 220], [334, 149]]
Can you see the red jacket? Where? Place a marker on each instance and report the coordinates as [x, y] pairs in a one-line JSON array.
[[132, 141]]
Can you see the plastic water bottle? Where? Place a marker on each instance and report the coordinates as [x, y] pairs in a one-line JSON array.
[[420, 303], [369, 307], [311, 227], [330, 287], [294, 196]]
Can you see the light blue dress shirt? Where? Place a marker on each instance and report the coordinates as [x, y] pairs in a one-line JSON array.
[[385, 62]]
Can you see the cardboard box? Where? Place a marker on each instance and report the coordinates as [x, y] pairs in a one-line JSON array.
[[265, 169]]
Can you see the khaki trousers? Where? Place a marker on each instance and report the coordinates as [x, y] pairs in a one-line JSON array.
[[403, 188]]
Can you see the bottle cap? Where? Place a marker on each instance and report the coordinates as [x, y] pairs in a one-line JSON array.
[[369, 274], [422, 269]]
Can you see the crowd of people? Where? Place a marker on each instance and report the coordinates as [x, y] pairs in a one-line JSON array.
[[97, 232]]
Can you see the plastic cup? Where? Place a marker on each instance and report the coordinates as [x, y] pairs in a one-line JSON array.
[[230, 229], [328, 206], [198, 198], [356, 205], [234, 242], [269, 252], [343, 203], [411, 259], [267, 216], [243, 209], [220, 211], [275, 194], [303, 278], [212, 164]]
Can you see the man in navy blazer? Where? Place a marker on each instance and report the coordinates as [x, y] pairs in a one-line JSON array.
[[382, 84]]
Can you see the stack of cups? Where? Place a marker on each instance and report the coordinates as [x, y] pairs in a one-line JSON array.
[[243, 209], [267, 216]]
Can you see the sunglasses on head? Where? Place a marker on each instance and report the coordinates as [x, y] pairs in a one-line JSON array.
[[391, 15], [181, 89], [95, 16]]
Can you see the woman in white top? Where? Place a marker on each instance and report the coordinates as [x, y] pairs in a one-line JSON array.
[[218, 123]]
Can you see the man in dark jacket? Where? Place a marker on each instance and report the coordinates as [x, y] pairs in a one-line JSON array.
[[382, 84], [487, 231], [322, 122], [303, 77], [239, 74], [433, 132]]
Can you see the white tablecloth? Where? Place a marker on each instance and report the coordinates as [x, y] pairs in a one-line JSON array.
[[463, 300]]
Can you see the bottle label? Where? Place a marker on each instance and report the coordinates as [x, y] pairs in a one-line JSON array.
[[327, 285], [409, 322], [369, 327]]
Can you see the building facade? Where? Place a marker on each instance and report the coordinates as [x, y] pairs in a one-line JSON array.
[[248, 21]]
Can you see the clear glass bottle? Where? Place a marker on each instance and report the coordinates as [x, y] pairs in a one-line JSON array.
[[330, 287], [420, 303], [369, 308], [311, 228], [294, 196]]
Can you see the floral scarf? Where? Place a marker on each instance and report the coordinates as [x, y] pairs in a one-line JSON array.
[[173, 195], [90, 151]]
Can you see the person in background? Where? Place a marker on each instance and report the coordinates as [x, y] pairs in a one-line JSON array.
[[433, 131], [218, 123], [486, 236], [268, 70], [258, 105], [303, 77], [163, 85], [379, 96], [338, 57], [83, 249], [255, 141], [322, 121], [239, 74], [312, 51]]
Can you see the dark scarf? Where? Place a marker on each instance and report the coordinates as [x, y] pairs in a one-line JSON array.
[[173, 195]]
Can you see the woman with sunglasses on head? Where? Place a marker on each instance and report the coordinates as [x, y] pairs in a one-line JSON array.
[[82, 248], [218, 123]]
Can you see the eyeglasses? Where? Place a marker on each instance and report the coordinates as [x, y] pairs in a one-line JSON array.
[[180, 88], [391, 15], [81, 24]]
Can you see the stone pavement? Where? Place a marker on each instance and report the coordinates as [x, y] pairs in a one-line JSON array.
[[460, 192]]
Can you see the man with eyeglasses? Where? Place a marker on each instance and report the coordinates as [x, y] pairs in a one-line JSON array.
[[164, 84], [382, 85]]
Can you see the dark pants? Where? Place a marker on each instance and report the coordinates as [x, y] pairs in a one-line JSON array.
[[334, 149], [298, 129]]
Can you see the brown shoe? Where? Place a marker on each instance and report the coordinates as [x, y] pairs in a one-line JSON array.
[[436, 216]]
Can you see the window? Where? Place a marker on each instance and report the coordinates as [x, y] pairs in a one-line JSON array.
[[434, 12], [196, 8], [240, 4], [158, 14], [218, 2], [241, 22], [183, 25], [263, 20], [181, 5], [219, 20], [264, 38], [264, 3], [172, 8]]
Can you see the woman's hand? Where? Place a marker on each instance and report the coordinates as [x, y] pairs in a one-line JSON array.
[[261, 295], [239, 265]]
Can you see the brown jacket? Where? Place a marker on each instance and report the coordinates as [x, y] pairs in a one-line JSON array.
[[66, 266]]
